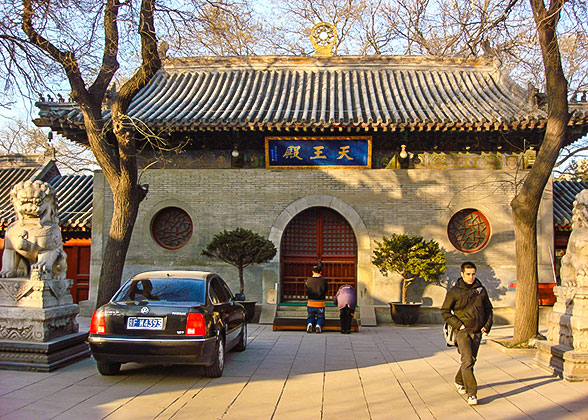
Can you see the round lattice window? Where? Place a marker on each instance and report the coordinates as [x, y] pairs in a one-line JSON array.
[[171, 228], [469, 230]]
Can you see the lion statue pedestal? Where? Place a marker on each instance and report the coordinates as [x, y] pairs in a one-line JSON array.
[[565, 353], [38, 327]]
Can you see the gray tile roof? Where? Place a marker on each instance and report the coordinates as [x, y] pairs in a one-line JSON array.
[[564, 194], [74, 193], [387, 93], [9, 178]]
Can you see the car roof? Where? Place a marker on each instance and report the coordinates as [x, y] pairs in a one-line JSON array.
[[172, 273]]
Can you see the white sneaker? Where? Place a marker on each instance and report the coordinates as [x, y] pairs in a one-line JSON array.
[[472, 400], [460, 388], [318, 329], [309, 328]]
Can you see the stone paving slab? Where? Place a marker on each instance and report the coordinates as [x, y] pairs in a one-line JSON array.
[[385, 372]]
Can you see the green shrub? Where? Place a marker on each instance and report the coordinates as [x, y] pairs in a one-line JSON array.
[[411, 257], [240, 248]]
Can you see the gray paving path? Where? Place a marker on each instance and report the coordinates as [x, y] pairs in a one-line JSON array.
[[385, 372]]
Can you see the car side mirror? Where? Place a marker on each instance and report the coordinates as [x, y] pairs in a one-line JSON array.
[[239, 297]]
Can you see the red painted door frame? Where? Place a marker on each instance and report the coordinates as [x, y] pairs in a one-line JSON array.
[[318, 234]]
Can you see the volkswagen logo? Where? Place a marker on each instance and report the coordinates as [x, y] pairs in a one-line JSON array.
[[144, 310]]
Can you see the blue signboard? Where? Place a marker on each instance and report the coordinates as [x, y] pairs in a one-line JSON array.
[[321, 152]]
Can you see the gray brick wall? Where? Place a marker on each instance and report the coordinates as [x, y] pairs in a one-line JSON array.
[[383, 201]]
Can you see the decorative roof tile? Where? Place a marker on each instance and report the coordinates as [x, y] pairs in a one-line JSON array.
[[564, 194], [389, 93], [75, 193]]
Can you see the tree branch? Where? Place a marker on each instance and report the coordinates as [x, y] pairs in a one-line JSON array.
[[65, 58], [570, 155], [149, 66], [109, 61]]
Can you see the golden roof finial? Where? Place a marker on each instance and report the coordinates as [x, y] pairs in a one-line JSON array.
[[323, 36]]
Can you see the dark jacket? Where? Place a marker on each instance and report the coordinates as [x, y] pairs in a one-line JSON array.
[[345, 297], [468, 305], [316, 288]]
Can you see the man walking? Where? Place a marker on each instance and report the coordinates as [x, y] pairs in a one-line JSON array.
[[316, 289], [468, 310]]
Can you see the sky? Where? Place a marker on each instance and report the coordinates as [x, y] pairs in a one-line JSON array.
[[25, 110]]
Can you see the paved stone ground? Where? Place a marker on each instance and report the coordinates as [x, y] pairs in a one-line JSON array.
[[387, 372]]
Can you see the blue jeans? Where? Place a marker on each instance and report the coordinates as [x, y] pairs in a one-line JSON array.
[[316, 316]]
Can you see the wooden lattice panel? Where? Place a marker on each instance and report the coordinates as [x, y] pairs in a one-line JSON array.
[[300, 237], [337, 236], [172, 228], [469, 230]]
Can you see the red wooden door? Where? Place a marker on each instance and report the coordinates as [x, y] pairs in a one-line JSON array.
[[318, 234], [78, 267]]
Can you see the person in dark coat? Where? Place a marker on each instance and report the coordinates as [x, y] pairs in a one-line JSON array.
[[316, 290], [468, 310], [345, 300]]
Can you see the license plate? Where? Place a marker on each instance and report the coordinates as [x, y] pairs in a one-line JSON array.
[[145, 324]]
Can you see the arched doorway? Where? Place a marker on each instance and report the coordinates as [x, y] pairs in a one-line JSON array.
[[317, 234]]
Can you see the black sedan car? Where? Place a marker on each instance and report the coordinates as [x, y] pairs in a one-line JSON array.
[[169, 317]]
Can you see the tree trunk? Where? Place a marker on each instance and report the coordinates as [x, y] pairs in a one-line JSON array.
[[126, 199], [526, 302], [405, 283], [525, 205], [241, 281]]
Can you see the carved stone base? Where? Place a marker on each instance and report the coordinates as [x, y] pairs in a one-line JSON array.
[[43, 357], [36, 324], [568, 322], [562, 361], [40, 291]]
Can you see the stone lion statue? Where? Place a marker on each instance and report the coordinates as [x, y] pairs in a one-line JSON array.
[[574, 264], [33, 240]]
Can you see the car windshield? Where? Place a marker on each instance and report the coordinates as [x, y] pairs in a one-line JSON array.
[[163, 289]]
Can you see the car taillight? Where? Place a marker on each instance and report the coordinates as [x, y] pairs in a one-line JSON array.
[[98, 324], [195, 324]]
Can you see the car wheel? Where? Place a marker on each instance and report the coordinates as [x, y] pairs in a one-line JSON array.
[[242, 344], [107, 368], [216, 369]]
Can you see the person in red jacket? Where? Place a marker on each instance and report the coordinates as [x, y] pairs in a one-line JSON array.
[[345, 300]]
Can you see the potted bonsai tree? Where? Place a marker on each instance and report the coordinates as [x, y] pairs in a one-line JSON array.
[[411, 257], [240, 248]]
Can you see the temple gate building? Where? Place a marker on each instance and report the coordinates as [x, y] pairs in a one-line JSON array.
[[324, 156]]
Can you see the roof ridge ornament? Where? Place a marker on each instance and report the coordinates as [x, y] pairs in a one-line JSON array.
[[323, 36]]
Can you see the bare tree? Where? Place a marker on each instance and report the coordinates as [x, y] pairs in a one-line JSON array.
[[19, 137], [86, 41], [227, 29], [113, 142], [527, 42], [525, 205]]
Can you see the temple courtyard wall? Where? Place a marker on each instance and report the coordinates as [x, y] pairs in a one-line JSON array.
[[375, 202]]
